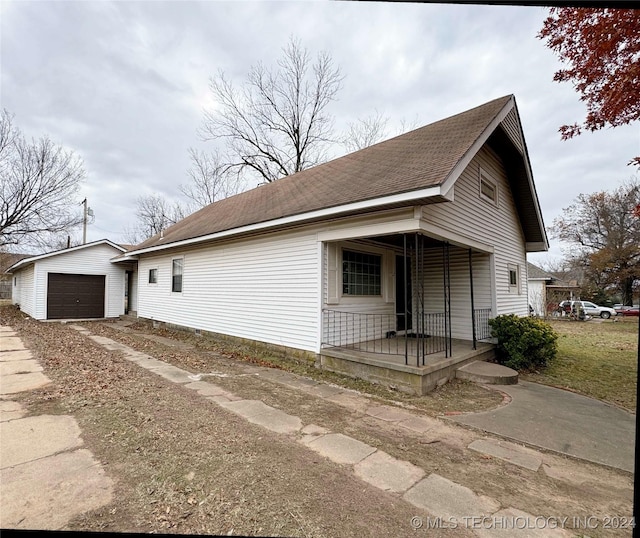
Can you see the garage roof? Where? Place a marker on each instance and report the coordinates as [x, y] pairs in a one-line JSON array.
[[28, 261]]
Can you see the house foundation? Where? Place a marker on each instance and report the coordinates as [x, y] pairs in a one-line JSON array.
[[418, 380]]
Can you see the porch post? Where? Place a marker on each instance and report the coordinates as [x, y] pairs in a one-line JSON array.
[[473, 309], [406, 317], [447, 299]]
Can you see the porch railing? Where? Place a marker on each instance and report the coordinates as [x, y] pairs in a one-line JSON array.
[[376, 333], [481, 325]]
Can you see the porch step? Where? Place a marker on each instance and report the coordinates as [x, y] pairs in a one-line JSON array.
[[487, 372]]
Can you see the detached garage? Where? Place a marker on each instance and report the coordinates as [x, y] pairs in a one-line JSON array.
[[74, 283]]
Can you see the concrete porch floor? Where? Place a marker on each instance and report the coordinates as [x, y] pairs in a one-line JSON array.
[[391, 370]]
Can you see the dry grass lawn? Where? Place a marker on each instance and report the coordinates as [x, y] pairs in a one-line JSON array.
[[596, 358]]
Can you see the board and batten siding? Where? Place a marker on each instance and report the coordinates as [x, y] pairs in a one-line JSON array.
[[265, 289], [23, 294], [93, 260], [498, 225]]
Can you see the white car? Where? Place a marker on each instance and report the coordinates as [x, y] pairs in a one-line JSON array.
[[592, 309]]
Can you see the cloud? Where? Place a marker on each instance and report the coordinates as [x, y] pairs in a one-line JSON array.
[[124, 83]]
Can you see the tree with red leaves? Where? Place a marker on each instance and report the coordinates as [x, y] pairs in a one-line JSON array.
[[602, 49]]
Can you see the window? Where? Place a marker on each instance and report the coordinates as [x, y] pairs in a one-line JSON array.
[[361, 273], [153, 276], [176, 275], [514, 280], [488, 188]]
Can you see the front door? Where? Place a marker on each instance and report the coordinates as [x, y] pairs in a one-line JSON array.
[[403, 293]]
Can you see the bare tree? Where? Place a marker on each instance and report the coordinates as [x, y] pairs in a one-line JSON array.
[[39, 182], [365, 132], [210, 179], [154, 214], [278, 123]]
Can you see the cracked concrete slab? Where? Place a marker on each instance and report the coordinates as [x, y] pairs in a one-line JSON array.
[[277, 421], [10, 410], [387, 473], [36, 437], [388, 413], [206, 389], [325, 391], [12, 384], [11, 343], [257, 412], [172, 373], [447, 499], [247, 408], [350, 401], [504, 450], [340, 448], [19, 367], [419, 424], [47, 493], [18, 355]]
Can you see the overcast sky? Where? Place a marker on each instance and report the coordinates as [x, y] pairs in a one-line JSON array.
[[124, 84]]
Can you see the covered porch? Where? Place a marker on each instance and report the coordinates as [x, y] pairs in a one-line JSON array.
[[405, 310]]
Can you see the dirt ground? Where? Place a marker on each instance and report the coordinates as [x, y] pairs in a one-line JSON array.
[[183, 464]]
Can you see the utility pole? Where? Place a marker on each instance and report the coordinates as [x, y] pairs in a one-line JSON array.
[[87, 212], [84, 221]]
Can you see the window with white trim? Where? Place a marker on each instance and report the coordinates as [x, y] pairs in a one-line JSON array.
[[514, 278], [361, 273], [153, 276], [488, 188], [177, 266]]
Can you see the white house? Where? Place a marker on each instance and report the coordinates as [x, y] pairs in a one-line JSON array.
[[75, 283], [386, 263], [538, 279]]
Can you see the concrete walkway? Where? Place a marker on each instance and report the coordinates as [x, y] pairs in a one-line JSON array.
[[434, 494], [47, 477], [562, 421]]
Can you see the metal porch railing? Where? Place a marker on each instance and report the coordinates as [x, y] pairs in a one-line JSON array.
[[482, 331], [376, 333]]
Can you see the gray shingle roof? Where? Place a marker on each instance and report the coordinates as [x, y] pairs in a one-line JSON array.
[[415, 160], [536, 273]]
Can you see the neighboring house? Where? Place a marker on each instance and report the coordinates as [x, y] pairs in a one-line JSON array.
[[75, 283], [7, 259], [386, 263], [538, 279]]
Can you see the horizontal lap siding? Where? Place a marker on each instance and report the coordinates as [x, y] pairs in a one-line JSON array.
[[264, 289], [24, 295], [460, 286], [89, 261], [477, 219]]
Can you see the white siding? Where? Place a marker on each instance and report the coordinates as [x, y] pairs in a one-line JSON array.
[[537, 296], [133, 290], [359, 318], [460, 286], [472, 217], [263, 289], [93, 260], [24, 293]]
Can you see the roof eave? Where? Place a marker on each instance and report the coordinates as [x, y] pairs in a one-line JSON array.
[[28, 261], [406, 198]]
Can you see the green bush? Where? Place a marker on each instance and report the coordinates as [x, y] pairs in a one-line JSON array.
[[523, 343]]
